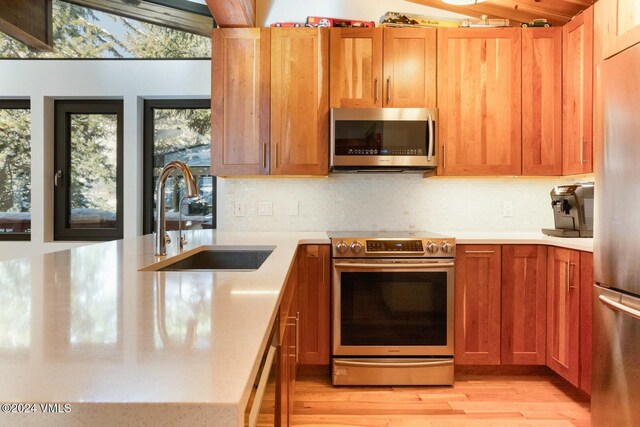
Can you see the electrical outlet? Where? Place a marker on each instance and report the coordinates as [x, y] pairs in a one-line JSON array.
[[238, 209], [294, 208], [265, 208], [507, 209]]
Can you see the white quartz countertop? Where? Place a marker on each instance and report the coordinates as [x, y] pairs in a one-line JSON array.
[[510, 237], [85, 327]]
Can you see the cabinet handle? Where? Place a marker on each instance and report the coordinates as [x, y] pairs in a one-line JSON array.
[[388, 89], [569, 266], [297, 335], [264, 155], [276, 155], [582, 151], [479, 252], [322, 269], [377, 90], [444, 157]]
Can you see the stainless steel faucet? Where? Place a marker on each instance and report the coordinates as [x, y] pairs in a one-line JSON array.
[[191, 190]]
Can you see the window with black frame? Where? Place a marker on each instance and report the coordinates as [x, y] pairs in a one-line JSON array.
[[179, 129], [88, 170], [15, 169]]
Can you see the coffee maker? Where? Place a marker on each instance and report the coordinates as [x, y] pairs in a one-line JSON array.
[[572, 210]]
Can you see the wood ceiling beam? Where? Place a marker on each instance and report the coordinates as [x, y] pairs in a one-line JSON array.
[[557, 12], [233, 13], [154, 14], [29, 21]]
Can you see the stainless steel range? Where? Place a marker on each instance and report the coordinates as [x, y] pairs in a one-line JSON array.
[[392, 306]]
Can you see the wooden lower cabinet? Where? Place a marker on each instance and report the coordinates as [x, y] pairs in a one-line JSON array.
[[287, 348], [586, 319], [524, 304], [563, 313], [477, 305], [314, 303]]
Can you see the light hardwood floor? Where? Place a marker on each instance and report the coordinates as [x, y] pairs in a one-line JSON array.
[[474, 400]]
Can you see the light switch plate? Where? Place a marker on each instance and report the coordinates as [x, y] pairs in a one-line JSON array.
[[238, 209], [507, 209], [265, 208]]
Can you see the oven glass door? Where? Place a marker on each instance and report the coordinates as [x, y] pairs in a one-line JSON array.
[[392, 310]]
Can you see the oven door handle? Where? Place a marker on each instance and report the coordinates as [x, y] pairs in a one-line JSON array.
[[398, 266], [395, 364]]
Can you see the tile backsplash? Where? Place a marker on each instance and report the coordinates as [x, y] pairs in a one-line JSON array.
[[387, 202]]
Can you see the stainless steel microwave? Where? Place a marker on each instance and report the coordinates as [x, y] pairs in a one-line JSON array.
[[384, 139]]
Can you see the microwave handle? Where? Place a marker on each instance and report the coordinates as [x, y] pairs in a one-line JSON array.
[[431, 138]]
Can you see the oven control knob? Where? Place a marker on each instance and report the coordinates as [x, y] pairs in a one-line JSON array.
[[446, 247], [356, 246], [432, 248], [341, 247]]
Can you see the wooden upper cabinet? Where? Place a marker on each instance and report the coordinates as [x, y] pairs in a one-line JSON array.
[[621, 25], [356, 67], [299, 101], [240, 101], [563, 313], [477, 305], [479, 100], [577, 93], [383, 67], [524, 304], [542, 101], [409, 67]]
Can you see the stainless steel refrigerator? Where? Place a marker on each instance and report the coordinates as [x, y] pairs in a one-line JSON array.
[[615, 399]]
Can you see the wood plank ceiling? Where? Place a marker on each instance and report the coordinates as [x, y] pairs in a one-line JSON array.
[[557, 12]]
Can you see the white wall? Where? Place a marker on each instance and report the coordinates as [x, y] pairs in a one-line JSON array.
[[130, 80], [270, 11]]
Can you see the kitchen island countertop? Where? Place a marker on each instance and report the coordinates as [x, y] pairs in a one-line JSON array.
[[85, 327]]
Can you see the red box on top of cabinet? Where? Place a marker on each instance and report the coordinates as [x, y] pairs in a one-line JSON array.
[[321, 21]]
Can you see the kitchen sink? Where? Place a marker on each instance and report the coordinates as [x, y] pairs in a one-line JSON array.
[[213, 258]]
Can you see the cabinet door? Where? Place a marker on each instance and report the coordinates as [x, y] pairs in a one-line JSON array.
[[586, 322], [409, 67], [477, 305], [356, 67], [313, 304], [240, 101], [524, 304], [479, 101], [287, 349], [563, 315], [542, 101], [299, 101], [621, 20], [577, 93]]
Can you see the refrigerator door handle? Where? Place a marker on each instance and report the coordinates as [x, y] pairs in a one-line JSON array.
[[625, 309]]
